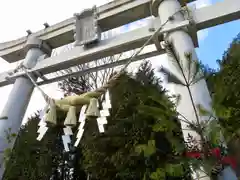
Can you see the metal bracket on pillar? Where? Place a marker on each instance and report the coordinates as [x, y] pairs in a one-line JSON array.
[[33, 42], [156, 3], [190, 28], [43, 57], [39, 75], [87, 30], [157, 39]]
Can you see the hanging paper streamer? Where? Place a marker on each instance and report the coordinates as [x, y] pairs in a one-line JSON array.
[[97, 104], [107, 101], [79, 136], [101, 122], [66, 141], [43, 112], [101, 128], [82, 117], [93, 111], [42, 131], [107, 95], [67, 131], [104, 113], [42, 124], [42, 121], [80, 133], [81, 126], [107, 104]]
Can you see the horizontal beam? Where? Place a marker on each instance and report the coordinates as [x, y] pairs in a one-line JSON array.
[[204, 17], [80, 55], [121, 43], [219, 13], [99, 68], [4, 80], [111, 15]]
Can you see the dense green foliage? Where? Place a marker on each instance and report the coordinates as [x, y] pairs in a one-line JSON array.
[[31, 159], [224, 84], [119, 153], [116, 154], [225, 87], [136, 142]]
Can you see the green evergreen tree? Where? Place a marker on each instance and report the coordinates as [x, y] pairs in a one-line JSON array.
[[225, 85], [31, 159], [119, 152]]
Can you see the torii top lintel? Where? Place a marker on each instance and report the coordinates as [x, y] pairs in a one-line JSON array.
[[111, 15]]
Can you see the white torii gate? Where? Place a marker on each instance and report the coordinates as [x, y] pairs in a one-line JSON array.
[[36, 48]]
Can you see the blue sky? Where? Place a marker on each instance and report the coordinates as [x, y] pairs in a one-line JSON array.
[[217, 41], [212, 41]]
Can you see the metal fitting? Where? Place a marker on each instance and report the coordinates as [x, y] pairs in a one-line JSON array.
[[34, 42], [46, 25], [156, 3]]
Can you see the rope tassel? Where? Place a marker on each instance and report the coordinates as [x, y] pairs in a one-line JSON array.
[[71, 119], [51, 119], [93, 110]]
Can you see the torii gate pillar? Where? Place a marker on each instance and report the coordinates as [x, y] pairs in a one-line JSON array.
[[183, 43], [19, 97]]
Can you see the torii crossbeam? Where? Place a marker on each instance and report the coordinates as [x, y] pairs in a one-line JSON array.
[[57, 35], [36, 48]]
